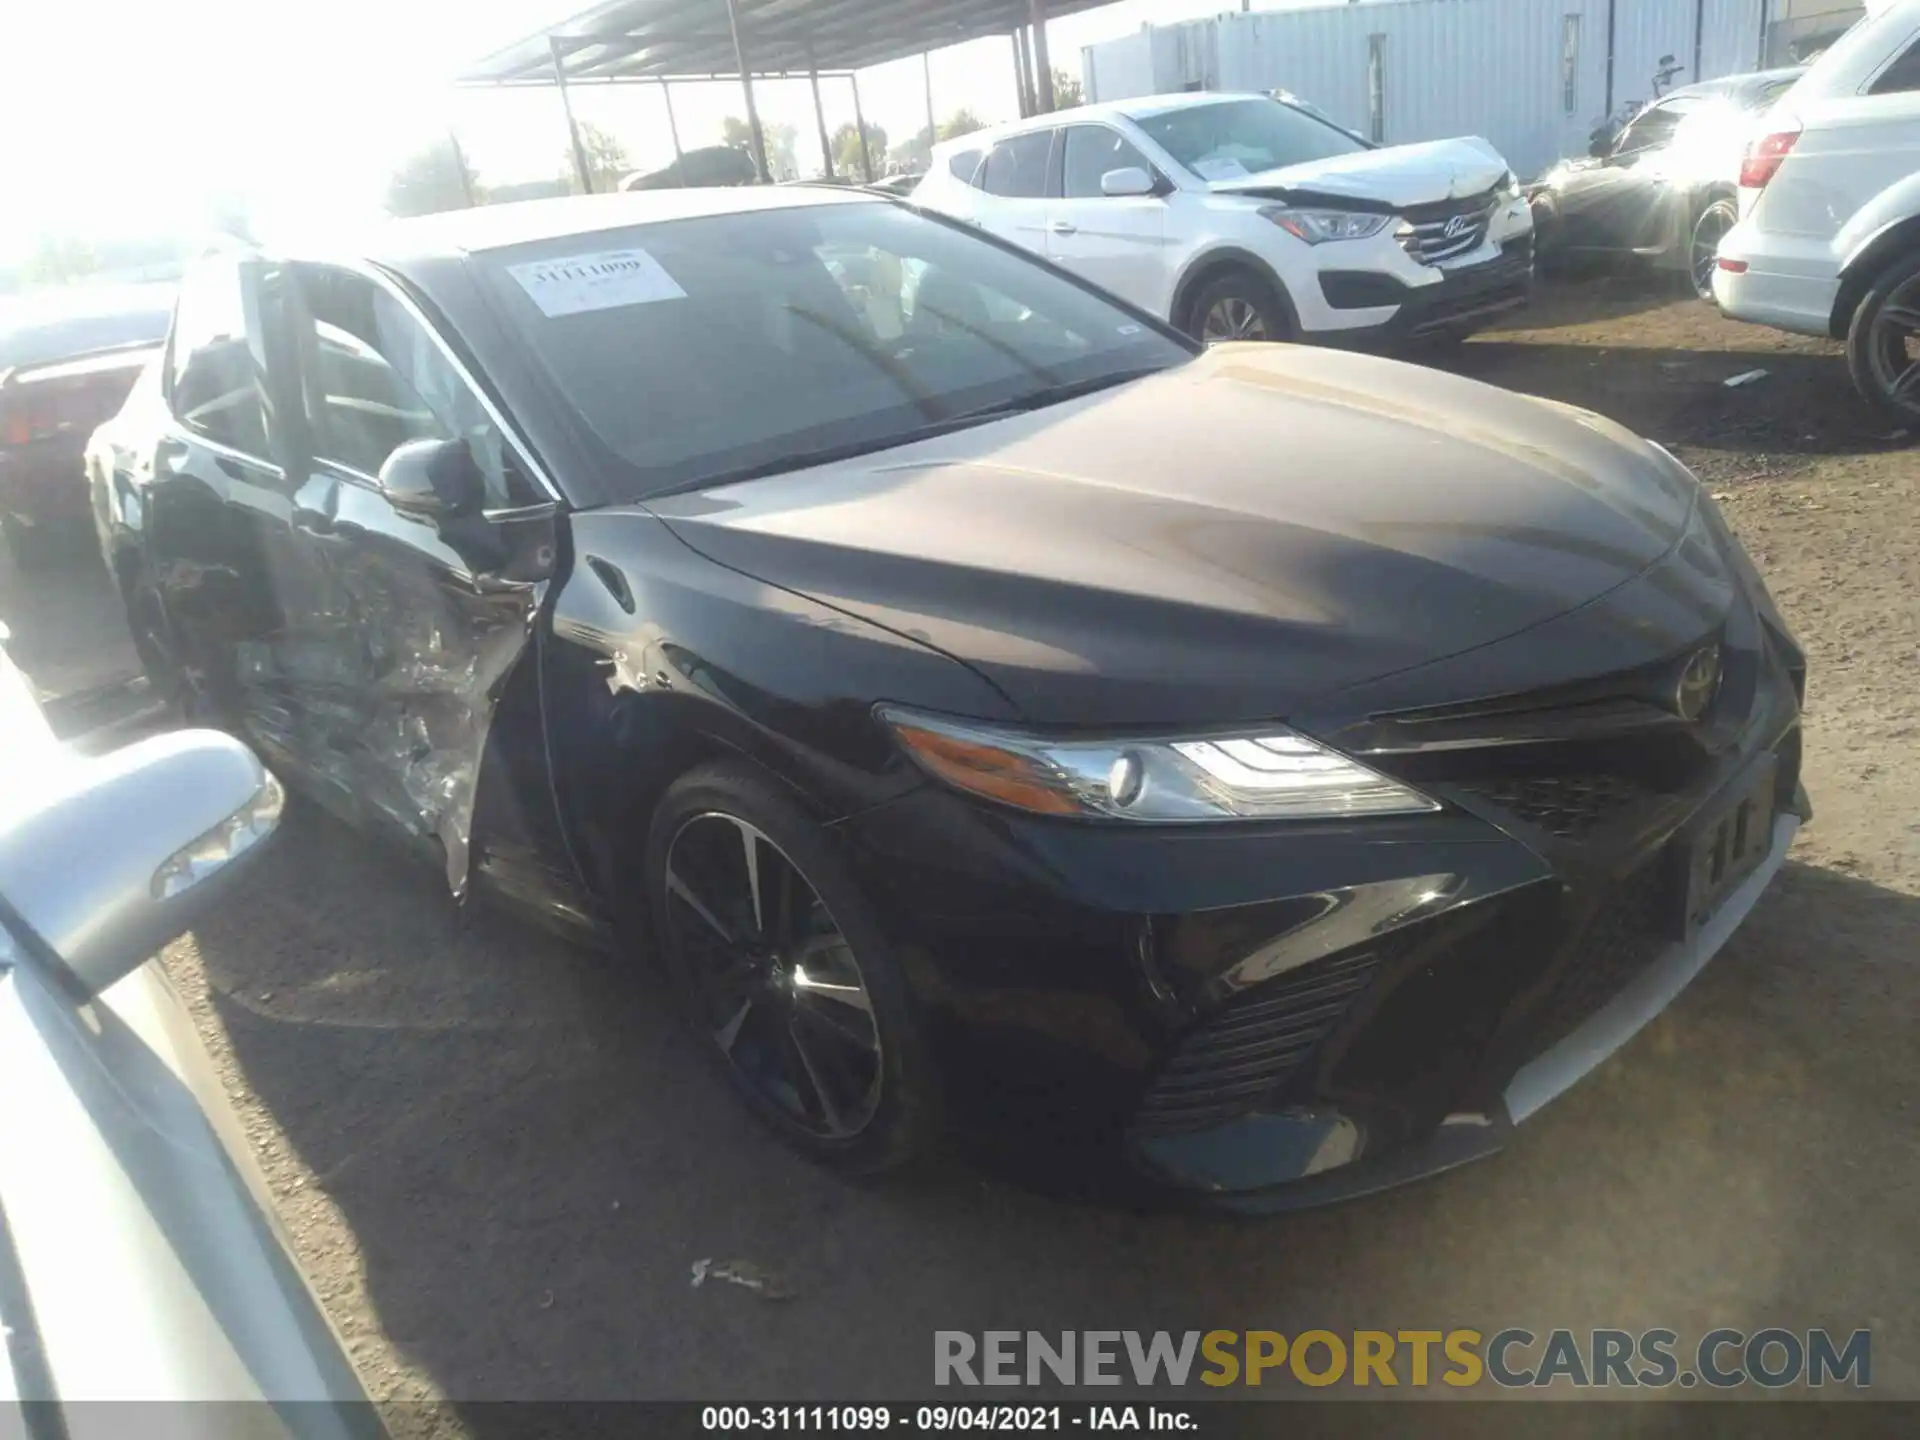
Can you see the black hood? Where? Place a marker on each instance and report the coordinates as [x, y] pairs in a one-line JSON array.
[[1265, 525]]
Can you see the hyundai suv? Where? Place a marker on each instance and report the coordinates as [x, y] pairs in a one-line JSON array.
[[1245, 217]]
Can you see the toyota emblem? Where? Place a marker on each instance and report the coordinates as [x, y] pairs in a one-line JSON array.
[[1699, 682]]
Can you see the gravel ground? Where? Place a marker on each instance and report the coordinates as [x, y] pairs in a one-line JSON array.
[[499, 1161]]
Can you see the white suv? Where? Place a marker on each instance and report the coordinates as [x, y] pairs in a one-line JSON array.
[[1241, 217], [1829, 236]]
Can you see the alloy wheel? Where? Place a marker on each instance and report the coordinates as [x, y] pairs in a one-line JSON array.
[[1893, 347], [775, 982], [1707, 235], [1233, 318]]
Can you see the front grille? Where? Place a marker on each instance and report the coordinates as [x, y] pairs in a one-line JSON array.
[[1225, 1066], [1459, 229], [1569, 807], [1620, 942]]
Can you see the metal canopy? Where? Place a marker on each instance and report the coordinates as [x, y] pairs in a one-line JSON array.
[[681, 39]]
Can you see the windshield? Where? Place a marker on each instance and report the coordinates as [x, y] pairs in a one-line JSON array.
[[698, 349], [1232, 138]]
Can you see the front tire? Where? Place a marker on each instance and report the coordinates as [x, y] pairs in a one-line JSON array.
[[1703, 248], [787, 980], [1883, 343], [1239, 305]]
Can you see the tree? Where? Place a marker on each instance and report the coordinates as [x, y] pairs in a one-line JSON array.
[[846, 148], [916, 152], [780, 142], [1067, 91], [435, 177], [607, 161], [58, 260]]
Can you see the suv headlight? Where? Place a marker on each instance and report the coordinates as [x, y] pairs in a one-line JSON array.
[[1265, 774], [1316, 227]]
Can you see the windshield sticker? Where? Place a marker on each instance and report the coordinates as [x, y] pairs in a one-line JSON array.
[[606, 280], [1220, 167]]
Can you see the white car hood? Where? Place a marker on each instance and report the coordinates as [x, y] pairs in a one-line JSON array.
[[1393, 175]]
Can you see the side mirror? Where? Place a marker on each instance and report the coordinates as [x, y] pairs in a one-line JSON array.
[[119, 855], [1127, 180], [434, 479]]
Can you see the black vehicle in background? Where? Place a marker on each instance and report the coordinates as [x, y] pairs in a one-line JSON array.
[[1261, 772], [68, 358], [713, 165], [1665, 189]]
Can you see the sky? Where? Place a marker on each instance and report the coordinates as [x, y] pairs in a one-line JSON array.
[[124, 118]]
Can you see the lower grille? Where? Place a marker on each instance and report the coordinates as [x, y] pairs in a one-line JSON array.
[[1620, 942], [1225, 1066], [1569, 807]]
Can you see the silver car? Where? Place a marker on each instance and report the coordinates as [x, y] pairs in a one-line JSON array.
[[139, 1254]]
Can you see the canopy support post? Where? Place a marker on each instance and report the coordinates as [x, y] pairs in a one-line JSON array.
[[673, 125], [580, 170], [860, 124], [820, 119], [1042, 67], [926, 76], [746, 85]]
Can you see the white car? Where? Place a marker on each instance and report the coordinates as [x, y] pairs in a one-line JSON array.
[[1829, 236], [1244, 217], [140, 1258]]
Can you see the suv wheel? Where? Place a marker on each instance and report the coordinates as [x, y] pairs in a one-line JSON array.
[[787, 980], [1704, 251], [1883, 343], [1239, 305]]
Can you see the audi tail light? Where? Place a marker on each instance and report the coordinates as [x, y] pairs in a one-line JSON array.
[[1764, 155]]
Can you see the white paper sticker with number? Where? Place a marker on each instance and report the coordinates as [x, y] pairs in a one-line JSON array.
[[605, 280]]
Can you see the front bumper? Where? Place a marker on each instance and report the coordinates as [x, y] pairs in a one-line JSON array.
[[1464, 299], [1270, 1017]]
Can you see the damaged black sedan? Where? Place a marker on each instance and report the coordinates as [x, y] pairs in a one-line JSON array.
[[1258, 771]]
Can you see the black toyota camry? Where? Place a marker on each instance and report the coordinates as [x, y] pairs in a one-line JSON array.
[[1261, 772]]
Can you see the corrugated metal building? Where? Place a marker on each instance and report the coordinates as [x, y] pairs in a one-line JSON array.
[[1533, 76]]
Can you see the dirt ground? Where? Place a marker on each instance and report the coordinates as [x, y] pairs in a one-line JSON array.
[[499, 1161]]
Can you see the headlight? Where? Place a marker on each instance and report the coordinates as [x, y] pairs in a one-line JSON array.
[[1510, 187], [1269, 774], [1318, 226]]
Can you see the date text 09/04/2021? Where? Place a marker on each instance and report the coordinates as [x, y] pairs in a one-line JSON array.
[[831, 1419]]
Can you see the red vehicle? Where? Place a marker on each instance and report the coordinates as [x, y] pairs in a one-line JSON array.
[[67, 362]]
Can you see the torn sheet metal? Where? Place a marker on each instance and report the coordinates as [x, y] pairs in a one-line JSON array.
[[383, 695]]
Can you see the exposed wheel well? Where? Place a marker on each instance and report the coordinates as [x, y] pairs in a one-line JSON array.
[[1860, 272], [1212, 267]]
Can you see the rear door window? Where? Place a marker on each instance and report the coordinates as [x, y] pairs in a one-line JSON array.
[[1902, 76], [1016, 168]]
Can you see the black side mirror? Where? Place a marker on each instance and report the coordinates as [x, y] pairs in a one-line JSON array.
[[434, 479]]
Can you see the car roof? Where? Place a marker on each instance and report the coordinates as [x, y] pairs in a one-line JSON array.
[[1750, 86], [456, 233], [1135, 108]]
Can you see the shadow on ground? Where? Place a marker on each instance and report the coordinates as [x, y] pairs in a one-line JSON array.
[[531, 1157]]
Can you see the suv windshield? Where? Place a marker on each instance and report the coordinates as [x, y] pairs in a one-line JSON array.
[[703, 349], [1231, 138]]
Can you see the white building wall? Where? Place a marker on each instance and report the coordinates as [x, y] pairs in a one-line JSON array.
[[1452, 67]]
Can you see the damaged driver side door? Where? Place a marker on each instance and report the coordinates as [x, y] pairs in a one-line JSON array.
[[432, 549]]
